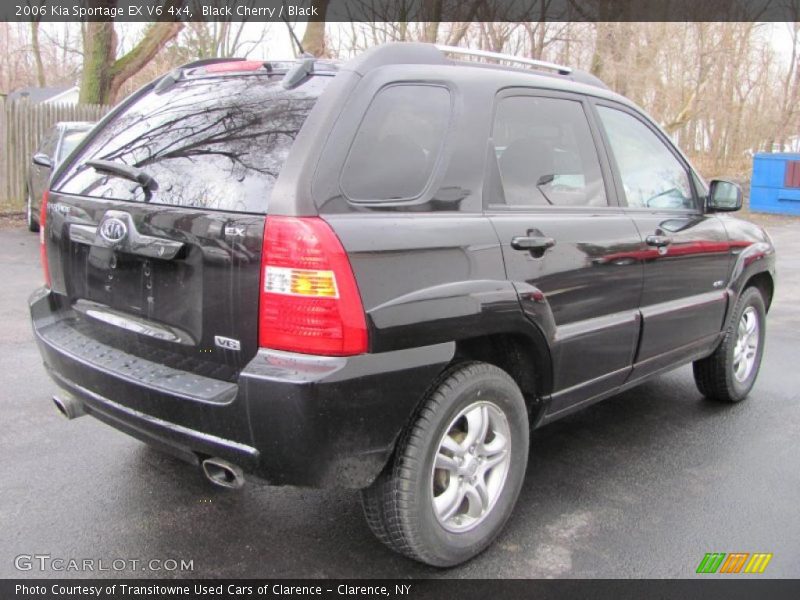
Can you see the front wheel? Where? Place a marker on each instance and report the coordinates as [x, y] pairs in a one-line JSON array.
[[729, 374], [457, 471]]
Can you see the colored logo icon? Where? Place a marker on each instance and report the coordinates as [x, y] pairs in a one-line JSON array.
[[735, 562]]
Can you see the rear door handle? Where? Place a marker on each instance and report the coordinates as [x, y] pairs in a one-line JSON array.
[[658, 240], [522, 242]]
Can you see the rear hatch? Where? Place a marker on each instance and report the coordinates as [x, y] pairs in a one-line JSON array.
[[155, 228]]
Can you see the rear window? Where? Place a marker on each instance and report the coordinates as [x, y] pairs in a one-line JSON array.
[[216, 143]]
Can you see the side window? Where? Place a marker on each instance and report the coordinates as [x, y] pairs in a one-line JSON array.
[[48, 144], [68, 144], [398, 144], [651, 175], [546, 154]]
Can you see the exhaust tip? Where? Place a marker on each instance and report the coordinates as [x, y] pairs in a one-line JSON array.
[[68, 407], [222, 473]]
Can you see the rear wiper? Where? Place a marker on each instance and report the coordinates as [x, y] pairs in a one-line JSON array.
[[135, 174]]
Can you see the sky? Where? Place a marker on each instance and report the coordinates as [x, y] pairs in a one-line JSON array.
[[277, 43]]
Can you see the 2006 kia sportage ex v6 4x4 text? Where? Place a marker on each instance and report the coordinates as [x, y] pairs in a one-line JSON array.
[[382, 274]]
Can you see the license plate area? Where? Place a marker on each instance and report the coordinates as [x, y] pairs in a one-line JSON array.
[[165, 291]]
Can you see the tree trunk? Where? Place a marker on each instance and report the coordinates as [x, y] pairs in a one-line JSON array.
[[431, 16], [156, 36], [37, 53], [100, 46], [103, 74], [314, 35]]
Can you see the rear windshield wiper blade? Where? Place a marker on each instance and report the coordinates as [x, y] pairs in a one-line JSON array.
[[140, 176]]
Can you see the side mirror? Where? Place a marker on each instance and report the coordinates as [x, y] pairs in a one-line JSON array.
[[724, 196], [42, 160]]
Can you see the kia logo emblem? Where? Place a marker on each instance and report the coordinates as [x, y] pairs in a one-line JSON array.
[[113, 230]]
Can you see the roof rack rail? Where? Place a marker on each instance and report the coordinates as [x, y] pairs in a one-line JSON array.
[[542, 64]]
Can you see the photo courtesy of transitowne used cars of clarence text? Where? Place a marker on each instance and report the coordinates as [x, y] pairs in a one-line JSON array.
[[382, 274]]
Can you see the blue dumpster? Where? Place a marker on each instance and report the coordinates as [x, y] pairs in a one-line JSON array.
[[775, 187]]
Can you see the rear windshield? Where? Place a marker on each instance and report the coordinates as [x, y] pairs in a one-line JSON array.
[[216, 143]]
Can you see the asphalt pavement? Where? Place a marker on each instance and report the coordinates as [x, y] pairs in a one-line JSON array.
[[640, 485]]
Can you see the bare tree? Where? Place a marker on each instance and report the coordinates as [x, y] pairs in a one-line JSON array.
[[218, 39], [789, 116], [35, 48], [722, 89], [103, 72]]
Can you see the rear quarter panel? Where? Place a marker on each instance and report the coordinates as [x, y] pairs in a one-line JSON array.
[[427, 278]]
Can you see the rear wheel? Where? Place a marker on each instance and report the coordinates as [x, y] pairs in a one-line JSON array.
[[30, 219], [729, 374], [457, 471]]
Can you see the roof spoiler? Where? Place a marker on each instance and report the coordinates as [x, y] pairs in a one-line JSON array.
[[176, 74]]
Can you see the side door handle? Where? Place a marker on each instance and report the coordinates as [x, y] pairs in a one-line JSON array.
[[532, 243], [658, 240]]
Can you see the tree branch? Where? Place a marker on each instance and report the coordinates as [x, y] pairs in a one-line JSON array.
[[155, 38]]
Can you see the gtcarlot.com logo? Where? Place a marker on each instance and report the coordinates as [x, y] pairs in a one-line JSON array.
[[735, 562], [47, 562]]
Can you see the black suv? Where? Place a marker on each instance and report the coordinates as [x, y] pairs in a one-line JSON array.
[[382, 274]]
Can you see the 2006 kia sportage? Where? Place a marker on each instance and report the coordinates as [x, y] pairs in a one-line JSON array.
[[383, 274]]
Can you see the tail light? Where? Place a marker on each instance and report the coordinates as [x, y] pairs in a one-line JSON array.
[[42, 244], [309, 298]]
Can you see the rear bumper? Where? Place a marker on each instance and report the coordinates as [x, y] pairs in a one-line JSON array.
[[289, 419]]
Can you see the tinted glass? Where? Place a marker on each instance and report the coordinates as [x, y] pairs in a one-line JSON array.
[[68, 143], [48, 144], [651, 175], [397, 146], [546, 154], [215, 143]]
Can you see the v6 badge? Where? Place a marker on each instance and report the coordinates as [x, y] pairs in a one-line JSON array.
[[227, 343]]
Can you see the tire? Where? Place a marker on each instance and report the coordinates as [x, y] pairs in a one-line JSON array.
[[726, 376], [33, 224], [399, 505]]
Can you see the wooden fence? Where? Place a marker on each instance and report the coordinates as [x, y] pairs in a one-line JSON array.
[[22, 127]]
